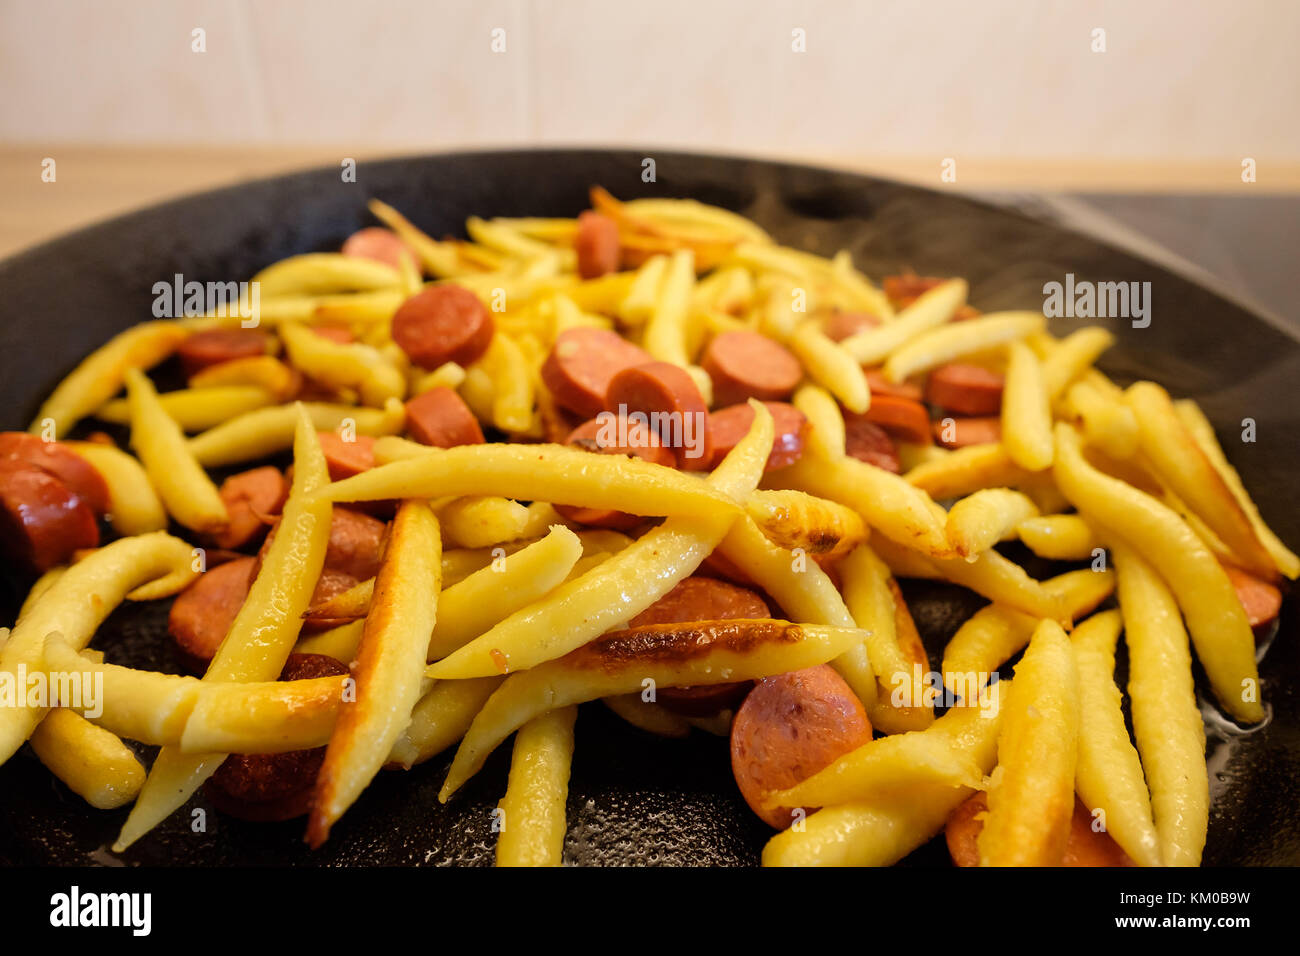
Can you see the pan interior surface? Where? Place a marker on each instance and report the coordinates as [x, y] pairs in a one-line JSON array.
[[635, 799]]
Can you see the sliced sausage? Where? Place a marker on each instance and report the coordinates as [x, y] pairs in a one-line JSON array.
[[610, 435], [959, 432], [81, 477], [1261, 599], [583, 360], [746, 365], [965, 389], [379, 244], [313, 390], [330, 584], [273, 787], [42, 520], [214, 346], [264, 371], [347, 458], [728, 426], [790, 727], [251, 497], [703, 599], [903, 418], [838, 326], [706, 700], [356, 543], [1086, 847], [440, 417], [215, 556], [962, 831], [880, 385], [903, 290], [867, 441], [671, 400], [596, 244], [335, 333], [311, 667], [603, 435], [443, 323], [202, 614], [720, 567]]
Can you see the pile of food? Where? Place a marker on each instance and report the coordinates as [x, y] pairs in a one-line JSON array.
[[649, 457]]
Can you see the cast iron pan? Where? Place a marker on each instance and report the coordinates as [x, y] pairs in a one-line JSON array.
[[635, 799]]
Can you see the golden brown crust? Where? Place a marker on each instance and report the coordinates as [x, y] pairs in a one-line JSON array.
[[657, 644]]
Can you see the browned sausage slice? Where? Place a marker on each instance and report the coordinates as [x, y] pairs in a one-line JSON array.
[[81, 477], [596, 244], [443, 323], [583, 360], [903, 290], [1086, 846], [867, 441], [965, 389], [356, 543], [703, 599], [610, 435], [746, 365], [335, 333], [202, 614], [903, 418], [440, 417], [355, 547], [717, 565], [953, 432], [838, 326], [880, 385], [347, 458], [379, 244], [789, 727], [729, 425], [42, 521], [214, 346], [330, 584], [670, 399], [272, 787], [1261, 599], [250, 497]]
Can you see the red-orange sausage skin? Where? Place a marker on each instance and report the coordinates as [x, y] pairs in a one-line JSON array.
[[703, 599], [1086, 847], [790, 727], [266, 788]]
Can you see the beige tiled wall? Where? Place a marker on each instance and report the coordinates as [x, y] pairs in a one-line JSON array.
[[1205, 80]]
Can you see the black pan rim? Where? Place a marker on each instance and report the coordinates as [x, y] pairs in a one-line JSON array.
[[124, 219]]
